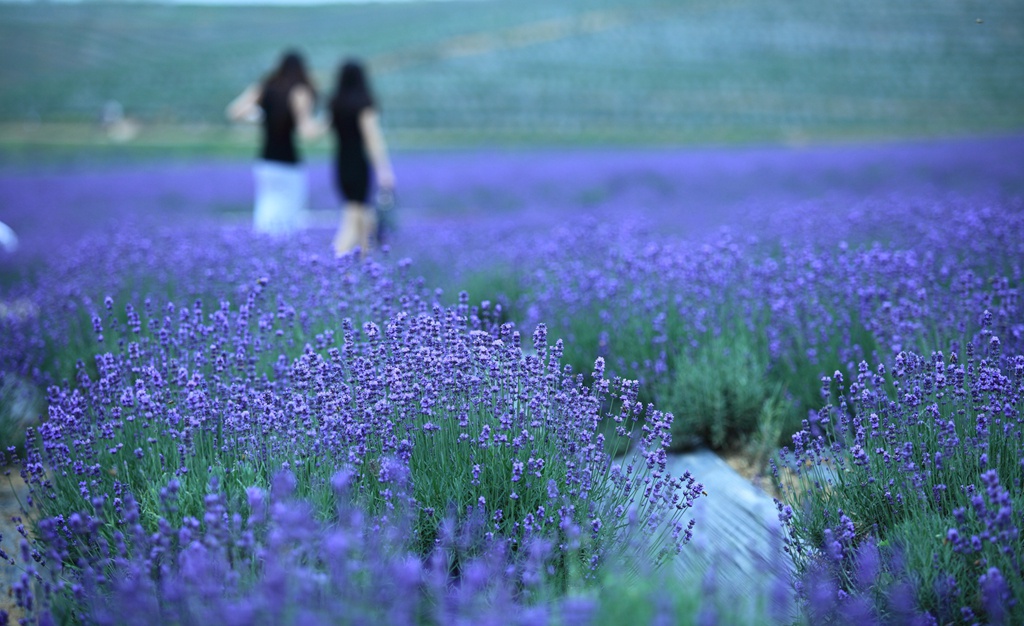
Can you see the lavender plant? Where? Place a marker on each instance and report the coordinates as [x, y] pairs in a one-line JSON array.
[[217, 364], [924, 459], [307, 293], [433, 396], [765, 317], [859, 253], [276, 563]]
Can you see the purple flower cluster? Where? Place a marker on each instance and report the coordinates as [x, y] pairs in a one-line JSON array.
[[337, 372], [280, 565], [304, 293], [846, 590], [991, 512], [779, 311], [925, 457]]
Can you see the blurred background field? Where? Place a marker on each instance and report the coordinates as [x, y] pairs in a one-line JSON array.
[[529, 72]]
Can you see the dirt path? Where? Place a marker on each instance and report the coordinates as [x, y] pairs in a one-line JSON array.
[[737, 531], [12, 493]]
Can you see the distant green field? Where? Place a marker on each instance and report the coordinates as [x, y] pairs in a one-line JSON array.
[[534, 71]]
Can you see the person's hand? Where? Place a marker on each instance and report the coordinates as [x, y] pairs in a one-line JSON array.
[[8, 240], [245, 108]]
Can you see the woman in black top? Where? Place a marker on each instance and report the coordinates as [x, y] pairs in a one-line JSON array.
[[361, 156], [283, 103]]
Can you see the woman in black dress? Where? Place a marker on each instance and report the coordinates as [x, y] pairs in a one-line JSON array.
[[360, 157], [283, 103]]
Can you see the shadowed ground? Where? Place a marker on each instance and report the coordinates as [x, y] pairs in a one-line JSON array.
[[737, 531], [12, 493]]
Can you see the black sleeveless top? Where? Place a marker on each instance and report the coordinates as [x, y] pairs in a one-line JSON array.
[[278, 125]]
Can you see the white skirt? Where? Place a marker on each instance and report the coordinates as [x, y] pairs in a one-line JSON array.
[[281, 193]]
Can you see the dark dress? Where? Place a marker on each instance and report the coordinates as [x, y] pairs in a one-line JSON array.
[[352, 173], [278, 125]]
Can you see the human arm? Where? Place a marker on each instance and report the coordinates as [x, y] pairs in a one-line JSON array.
[[301, 101], [246, 107], [369, 125]]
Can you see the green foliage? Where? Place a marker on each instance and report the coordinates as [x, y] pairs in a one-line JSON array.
[[771, 426], [917, 542], [694, 598], [719, 392], [489, 288]]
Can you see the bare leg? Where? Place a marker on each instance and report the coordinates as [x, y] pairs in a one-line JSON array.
[[368, 228], [349, 233]]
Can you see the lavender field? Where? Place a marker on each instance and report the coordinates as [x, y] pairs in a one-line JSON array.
[[473, 425]]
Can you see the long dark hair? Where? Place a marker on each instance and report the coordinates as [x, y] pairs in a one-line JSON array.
[[290, 72], [352, 91]]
